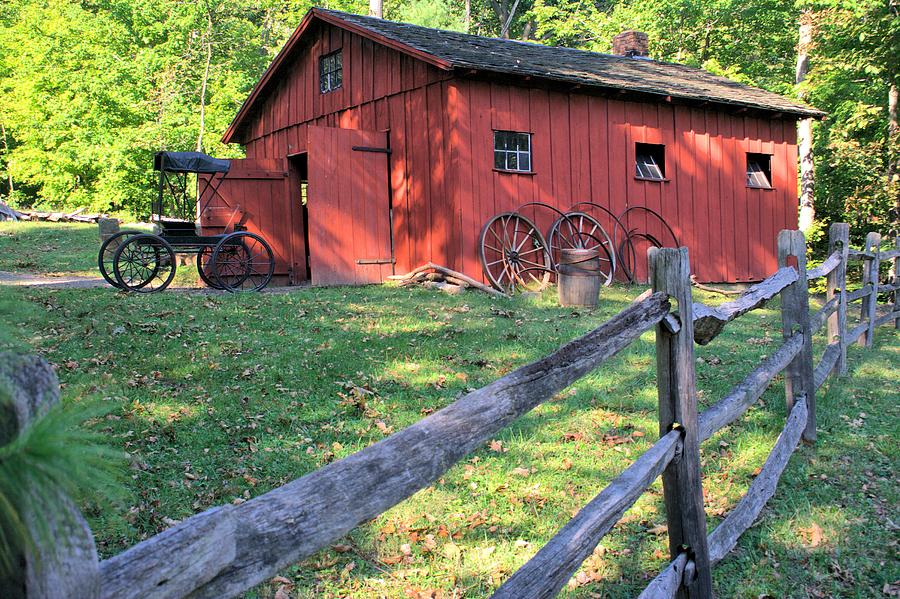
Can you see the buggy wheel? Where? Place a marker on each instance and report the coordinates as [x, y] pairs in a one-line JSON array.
[[205, 267], [242, 261], [107, 253], [514, 254], [144, 263], [579, 230]]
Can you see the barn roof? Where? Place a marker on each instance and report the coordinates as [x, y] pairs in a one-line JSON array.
[[451, 50]]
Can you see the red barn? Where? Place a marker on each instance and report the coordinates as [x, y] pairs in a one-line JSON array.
[[373, 147]]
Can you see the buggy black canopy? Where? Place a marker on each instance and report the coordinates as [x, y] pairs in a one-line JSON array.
[[189, 162]]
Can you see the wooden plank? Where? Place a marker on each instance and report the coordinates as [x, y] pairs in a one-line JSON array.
[[836, 287], [177, 560], [886, 318], [830, 263], [666, 583], [798, 380], [725, 536], [857, 332], [677, 389], [826, 363], [860, 293], [744, 394], [861, 255], [821, 316], [544, 575], [870, 276], [709, 321], [294, 521], [890, 254]]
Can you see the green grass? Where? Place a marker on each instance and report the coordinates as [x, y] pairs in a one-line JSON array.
[[49, 248], [219, 398]]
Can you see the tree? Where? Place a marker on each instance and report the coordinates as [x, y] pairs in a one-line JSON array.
[[805, 128]]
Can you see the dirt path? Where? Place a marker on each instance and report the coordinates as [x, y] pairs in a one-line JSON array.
[[21, 279]]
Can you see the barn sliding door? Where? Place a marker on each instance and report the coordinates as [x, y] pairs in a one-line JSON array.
[[348, 207]]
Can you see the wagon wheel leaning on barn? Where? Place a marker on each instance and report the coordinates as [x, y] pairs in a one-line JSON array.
[[617, 227], [579, 230], [514, 254], [107, 253], [627, 252], [144, 263], [242, 261]]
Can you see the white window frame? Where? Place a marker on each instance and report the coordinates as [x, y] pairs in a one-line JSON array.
[[514, 155]]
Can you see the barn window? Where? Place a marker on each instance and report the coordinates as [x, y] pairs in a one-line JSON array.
[[650, 161], [759, 170], [512, 151], [331, 72]]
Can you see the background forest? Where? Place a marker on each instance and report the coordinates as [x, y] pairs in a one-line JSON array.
[[90, 89]]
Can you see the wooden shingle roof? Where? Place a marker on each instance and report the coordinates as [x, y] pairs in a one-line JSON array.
[[456, 51], [464, 51]]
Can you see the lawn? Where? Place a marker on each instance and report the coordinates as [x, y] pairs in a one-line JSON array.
[[219, 398]]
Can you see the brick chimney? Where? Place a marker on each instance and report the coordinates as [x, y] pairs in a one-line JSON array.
[[631, 43]]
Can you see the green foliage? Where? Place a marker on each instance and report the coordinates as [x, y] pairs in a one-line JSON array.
[[89, 90], [56, 454]]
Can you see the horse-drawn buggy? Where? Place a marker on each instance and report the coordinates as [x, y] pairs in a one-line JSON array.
[[233, 260]]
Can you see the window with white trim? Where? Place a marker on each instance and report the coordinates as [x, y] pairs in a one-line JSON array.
[[512, 151], [331, 72]]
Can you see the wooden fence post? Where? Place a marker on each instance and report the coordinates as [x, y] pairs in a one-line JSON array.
[[68, 566], [677, 389], [798, 380], [869, 303], [839, 241]]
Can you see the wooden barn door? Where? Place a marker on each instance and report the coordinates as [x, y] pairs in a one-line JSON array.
[[348, 207], [257, 194]]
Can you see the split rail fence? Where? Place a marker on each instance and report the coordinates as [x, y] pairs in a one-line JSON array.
[[226, 550]]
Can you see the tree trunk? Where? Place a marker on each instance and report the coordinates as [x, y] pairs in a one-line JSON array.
[[208, 41], [9, 172], [893, 170], [468, 16], [804, 129], [376, 8]]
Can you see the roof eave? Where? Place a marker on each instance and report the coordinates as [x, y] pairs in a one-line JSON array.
[[796, 111]]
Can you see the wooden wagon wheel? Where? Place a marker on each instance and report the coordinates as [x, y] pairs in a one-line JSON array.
[[579, 230], [514, 254], [107, 253], [144, 263], [242, 261], [204, 267]]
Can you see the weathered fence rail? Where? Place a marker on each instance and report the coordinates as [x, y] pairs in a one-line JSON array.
[[226, 550]]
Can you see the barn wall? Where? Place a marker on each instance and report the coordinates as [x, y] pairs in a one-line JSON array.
[[382, 90], [583, 149], [444, 188]]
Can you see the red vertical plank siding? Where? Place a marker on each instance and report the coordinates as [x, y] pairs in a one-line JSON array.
[[716, 254], [434, 177], [400, 183], [685, 159], [599, 157], [580, 153], [542, 163], [560, 150], [460, 173], [619, 168]]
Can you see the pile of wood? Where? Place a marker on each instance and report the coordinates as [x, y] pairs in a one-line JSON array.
[[433, 276], [78, 216]]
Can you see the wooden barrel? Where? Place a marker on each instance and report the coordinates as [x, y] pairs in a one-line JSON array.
[[579, 277]]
